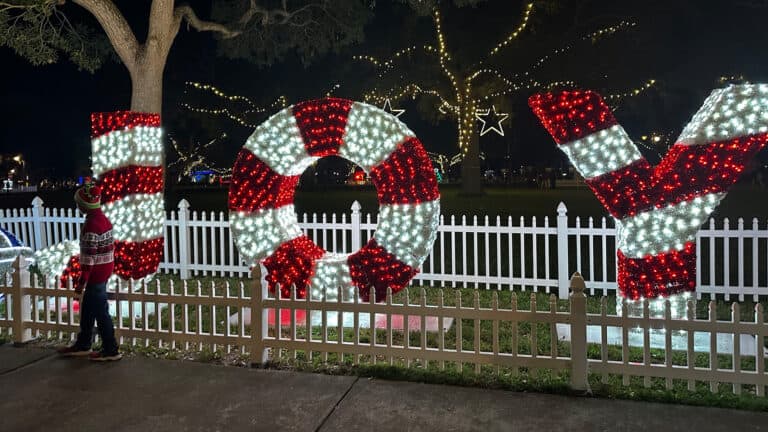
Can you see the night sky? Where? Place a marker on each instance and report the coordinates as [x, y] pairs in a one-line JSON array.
[[685, 47]]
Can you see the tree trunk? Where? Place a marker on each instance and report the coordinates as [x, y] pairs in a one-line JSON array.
[[147, 85], [471, 179], [469, 144]]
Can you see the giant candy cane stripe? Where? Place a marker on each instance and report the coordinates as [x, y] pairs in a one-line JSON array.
[[137, 145], [406, 176], [322, 124], [371, 136], [405, 230], [125, 181], [664, 229], [258, 234], [729, 113], [278, 143], [256, 186], [331, 272], [135, 218], [613, 143]]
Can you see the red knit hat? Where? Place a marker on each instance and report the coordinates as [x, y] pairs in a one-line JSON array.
[[88, 196]]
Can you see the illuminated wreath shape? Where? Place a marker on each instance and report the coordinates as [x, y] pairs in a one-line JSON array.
[[264, 180]]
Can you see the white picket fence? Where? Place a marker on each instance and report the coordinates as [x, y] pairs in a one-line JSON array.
[[478, 252], [492, 336]]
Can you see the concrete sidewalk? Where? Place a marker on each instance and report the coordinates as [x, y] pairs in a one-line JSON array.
[[42, 392]]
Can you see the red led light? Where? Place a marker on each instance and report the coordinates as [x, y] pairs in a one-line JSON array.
[[322, 123], [256, 186], [105, 122], [118, 183], [569, 116], [406, 176], [659, 275], [71, 271], [292, 264], [373, 267], [135, 260]]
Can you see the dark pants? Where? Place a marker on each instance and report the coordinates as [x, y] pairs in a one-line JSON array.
[[94, 307]]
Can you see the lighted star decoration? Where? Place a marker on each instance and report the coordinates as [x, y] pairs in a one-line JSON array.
[[388, 108], [494, 121]]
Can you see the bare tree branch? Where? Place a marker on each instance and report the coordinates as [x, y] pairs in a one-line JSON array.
[[186, 13], [116, 27]]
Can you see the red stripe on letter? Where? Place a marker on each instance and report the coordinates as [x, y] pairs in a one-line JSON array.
[[322, 124], [569, 116], [119, 183], [374, 267], [256, 186], [406, 176], [690, 171], [134, 260], [658, 275], [105, 122], [625, 191], [293, 264]]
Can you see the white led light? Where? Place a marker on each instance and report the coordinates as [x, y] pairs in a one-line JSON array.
[[613, 145], [331, 272], [53, 260], [371, 135], [728, 113], [258, 234], [140, 145], [661, 230], [408, 231], [279, 144], [136, 218]]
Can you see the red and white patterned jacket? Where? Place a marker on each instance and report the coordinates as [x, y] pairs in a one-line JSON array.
[[97, 249]]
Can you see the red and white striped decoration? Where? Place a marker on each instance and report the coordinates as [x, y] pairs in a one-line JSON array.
[[267, 171], [128, 165], [658, 210], [127, 156]]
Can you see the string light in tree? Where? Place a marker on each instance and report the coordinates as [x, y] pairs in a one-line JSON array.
[[264, 180], [658, 210], [494, 121], [515, 33], [241, 115], [194, 158], [464, 101]]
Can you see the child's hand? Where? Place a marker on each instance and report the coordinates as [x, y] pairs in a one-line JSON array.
[[79, 288]]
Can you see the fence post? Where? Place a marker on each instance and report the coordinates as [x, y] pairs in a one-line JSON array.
[[37, 223], [356, 226], [579, 363], [21, 306], [184, 239], [562, 251], [259, 319]]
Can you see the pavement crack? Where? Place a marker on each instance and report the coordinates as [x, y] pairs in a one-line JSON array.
[[25, 365], [335, 406]]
